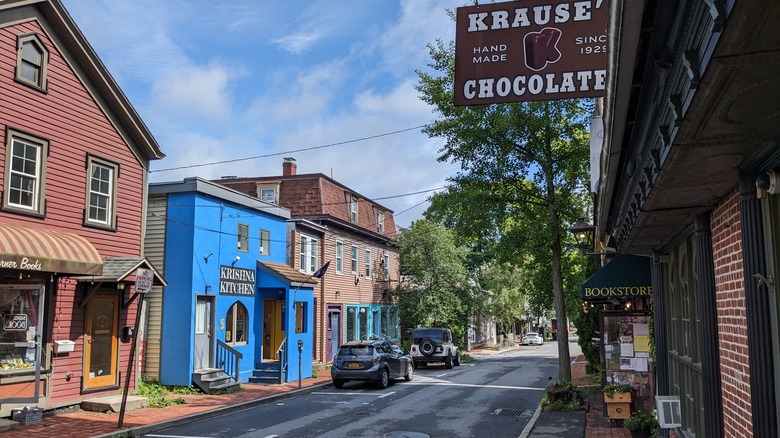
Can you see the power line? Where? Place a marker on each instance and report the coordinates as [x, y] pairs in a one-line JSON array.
[[291, 151]]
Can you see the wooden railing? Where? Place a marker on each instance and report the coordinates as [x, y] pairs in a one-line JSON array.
[[229, 359]]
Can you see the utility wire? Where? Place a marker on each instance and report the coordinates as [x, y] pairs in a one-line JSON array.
[[289, 152]]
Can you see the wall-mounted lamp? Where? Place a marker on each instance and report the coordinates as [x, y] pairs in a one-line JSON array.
[[120, 286], [280, 291], [208, 288], [583, 231], [206, 257], [233, 263]]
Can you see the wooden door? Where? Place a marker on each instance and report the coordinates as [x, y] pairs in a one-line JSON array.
[[102, 342]]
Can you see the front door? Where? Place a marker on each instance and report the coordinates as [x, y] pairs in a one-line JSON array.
[[334, 333], [204, 308], [273, 328], [102, 342]]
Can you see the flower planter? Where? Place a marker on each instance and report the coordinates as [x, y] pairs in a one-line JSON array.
[[618, 397]]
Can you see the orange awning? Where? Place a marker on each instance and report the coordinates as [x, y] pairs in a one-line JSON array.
[[38, 249]]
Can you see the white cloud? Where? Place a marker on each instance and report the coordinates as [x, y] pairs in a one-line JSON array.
[[196, 90]]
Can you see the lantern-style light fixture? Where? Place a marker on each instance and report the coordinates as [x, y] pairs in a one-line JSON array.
[[583, 231]]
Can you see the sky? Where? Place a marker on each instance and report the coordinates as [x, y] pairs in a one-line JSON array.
[[329, 83]]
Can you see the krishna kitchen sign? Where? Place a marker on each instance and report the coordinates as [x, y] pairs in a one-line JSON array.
[[528, 50]]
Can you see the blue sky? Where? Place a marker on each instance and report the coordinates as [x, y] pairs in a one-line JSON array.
[[225, 80]]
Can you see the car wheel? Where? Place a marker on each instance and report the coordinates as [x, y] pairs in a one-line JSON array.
[[409, 373], [384, 379], [456, 362], [427, 347], [338, 383], [448, 362]]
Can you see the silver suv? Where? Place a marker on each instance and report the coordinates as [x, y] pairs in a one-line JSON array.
[[434, 345]]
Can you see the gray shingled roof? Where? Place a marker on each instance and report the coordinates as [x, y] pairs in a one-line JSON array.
[[117, 269]]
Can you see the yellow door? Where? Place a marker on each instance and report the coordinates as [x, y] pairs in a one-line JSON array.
[[273, 327], [102, 342]]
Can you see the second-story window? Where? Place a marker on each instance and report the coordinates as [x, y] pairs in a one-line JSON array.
[[268, 194], [368, 263], [353, 209], [339, 257], [265, 242], [32, 58], [101, 193], [386, 267], [354, 265], [25, 165], [308, 254], [243, 237]]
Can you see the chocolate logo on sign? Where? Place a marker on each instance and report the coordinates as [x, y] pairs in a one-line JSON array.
[[541, 48]]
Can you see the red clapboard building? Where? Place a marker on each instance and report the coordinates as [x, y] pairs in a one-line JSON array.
[[74, 166]]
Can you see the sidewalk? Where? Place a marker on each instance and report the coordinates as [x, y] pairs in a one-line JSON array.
[[139, 421], [83, 424]]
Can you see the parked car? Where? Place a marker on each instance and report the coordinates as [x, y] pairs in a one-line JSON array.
[[434, 345], [532, 338], [377, 361]]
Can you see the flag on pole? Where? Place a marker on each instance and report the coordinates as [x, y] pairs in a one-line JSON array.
[[320, 272]]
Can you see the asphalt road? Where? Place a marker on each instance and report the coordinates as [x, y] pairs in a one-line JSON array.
[[495, 395]]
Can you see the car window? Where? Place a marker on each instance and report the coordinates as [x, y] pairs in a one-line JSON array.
[[356, 350], [419, 335], [397, 349]]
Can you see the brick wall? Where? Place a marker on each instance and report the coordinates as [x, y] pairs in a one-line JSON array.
[[732, 319]]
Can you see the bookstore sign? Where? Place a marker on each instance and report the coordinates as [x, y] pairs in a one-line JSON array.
[[529, 50]]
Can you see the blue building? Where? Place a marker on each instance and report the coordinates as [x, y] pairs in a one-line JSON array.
[[229, 294]]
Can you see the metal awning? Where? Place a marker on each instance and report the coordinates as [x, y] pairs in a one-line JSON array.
[[626, 276], [39, 249]]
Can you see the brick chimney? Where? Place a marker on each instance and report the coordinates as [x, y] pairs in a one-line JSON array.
[[289, 168]]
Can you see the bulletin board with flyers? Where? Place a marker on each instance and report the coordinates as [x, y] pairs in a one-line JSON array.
[[626, 353]]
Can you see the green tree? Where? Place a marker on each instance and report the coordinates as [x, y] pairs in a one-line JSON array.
[[523, 167], [439, 292], [507, 303]]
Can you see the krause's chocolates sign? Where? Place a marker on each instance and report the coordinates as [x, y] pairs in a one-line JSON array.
[[236, 281], [530, 50]]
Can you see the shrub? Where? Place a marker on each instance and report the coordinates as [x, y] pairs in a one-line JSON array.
[[611, 388], [642, 421], [562, 395]]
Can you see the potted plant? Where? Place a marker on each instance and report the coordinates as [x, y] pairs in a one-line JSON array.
[[642, 425], [618, 392]]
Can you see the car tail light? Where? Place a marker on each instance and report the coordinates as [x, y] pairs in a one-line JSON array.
[[376, 359], [414, 349]]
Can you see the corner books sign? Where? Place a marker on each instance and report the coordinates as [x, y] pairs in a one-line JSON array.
[[528, 50]]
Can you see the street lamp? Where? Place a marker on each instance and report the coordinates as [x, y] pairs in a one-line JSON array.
[[583, 231]]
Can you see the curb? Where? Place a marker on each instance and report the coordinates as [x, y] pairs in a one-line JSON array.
[[148, 428]]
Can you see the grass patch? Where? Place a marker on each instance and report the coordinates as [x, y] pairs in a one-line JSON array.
[[158, 394], [465, 357], [562, 395]]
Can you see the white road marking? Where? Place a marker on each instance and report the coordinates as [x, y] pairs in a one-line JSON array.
[[471, 385], [385, 395], [174, 436], [373, 394]]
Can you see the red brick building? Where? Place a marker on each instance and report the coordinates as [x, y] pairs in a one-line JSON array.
[[688, 176], [74, 164], [334, 223]]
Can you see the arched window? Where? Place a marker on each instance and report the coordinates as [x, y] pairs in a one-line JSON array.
[[31, 61], [237, 323]]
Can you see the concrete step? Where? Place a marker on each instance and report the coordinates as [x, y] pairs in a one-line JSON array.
[[113, 403], [264, 380]]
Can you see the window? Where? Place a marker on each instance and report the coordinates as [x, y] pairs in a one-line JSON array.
[[24, 172], [300, 317], [357, 323], [380, 221], [265, 242], [353, 209], [268, 194], [368, 263], [101, 193], [31, 60], [243, 237], [354, 259], [236, 324], [308, 254], [339, 257], [386, 267]]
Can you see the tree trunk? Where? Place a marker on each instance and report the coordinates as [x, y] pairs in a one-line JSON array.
[[564, 357]]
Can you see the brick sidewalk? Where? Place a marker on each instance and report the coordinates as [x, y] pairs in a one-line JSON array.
[[83, 424], [598, 426]]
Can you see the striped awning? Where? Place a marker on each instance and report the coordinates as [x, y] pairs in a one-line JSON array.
[[37, 249]]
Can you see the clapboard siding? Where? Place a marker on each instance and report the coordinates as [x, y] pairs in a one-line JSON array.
[[154, 247], [75, 126]]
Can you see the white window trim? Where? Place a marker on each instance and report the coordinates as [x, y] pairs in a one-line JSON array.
[[264, 248], [239, 245], [113, 168], [368, 263], [339, 257], [353, 209], [308, 257], [354, 261], [39, 190], [380, 221], [386, 270]]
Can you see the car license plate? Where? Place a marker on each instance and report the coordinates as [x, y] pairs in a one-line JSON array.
[[353, 365]]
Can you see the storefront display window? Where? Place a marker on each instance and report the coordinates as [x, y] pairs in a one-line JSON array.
[[20, 307]]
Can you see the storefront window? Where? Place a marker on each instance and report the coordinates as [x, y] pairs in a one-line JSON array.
[[236, 324], [20, 307]]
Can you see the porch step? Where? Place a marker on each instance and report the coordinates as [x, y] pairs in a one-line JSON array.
[[212, 379], [266, 374], [113, 403]]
